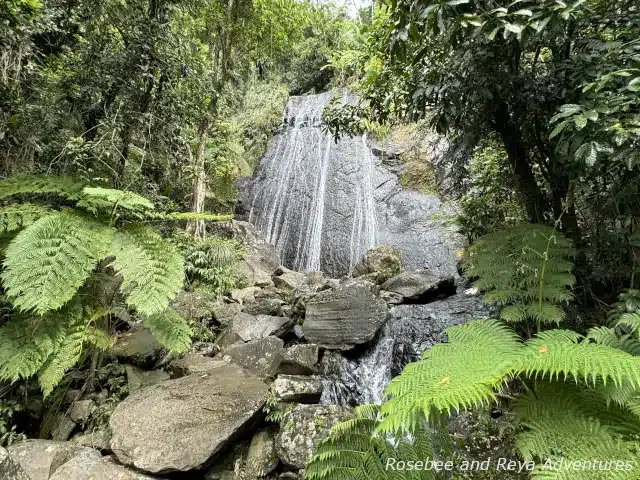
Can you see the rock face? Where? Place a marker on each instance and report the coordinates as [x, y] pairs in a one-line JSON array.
[[195, 363], [380, 263], [193, 305], [419, 285], [347, 201], [296, 388], [261, 357], [253, 327], [41, 458], [299, 359], [262, 458], [9, 469], [342, 318], [180, 425], [302, 430], [138, 347], [90, 465]]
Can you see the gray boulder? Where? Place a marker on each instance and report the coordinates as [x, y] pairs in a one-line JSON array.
[[288, 279], [195, 363], [299, 359], [41, 458], [419, 284], [299, 389], [302, 430], [193, 306], [181, 425], [98, 439], [267, 301], [63, 427], [90, 465], [254, 272], [138, 347], [262, 356], [380, 264], [224, 312], [253, 327], [81, 410], [138, 378], [342, 318], [262, 458], [10, 469], [244, 295]]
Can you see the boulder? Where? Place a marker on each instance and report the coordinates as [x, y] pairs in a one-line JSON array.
[[41, 458], [81, 410], [90, 465], [262, 356], [391, 298], [138, 347], [98, 439], [208, 349], [195, 363], [262, 458], [254, 271], [419, 285], [224, 312], [63, 427], [138, 378], [288, 279], [9, 468], [244, 295], [342, 318], [296, 388], [380, 264], [267, 301], [302, 429], [181, 425], [193, 306], [299, 359], [253, 327]]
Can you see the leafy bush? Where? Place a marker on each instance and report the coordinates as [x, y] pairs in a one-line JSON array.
[[8, 429]]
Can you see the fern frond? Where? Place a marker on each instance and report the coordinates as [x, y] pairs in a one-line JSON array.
[[610, 338], [48, 261], [15, 217], [99, 338], [170, 329], [65, 187], [98, 198], [560, 354], [192, 216], [630, 320], [152, 269], [444, 381]]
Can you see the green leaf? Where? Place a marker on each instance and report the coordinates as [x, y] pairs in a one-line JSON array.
[[170, 329], [634, 85], [558, 130], [524, 12], [592, 115], [66, 187], [581, 121], [98, 197], [152, 269], [51, 259]]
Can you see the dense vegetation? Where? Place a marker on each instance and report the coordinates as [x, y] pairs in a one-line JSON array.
[[123, 126]]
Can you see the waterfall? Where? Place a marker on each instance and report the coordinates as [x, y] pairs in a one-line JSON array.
[[305, 165]]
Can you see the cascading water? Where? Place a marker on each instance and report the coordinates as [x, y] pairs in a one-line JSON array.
[[323, 204]]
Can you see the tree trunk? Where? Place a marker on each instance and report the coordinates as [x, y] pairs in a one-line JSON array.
[[198, 227]]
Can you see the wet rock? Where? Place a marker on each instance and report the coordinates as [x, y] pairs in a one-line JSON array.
[[91, 465], [41, 458], [303, 428], [81, 410], [253, 327], [224, 312], [288, 279], [380, 264], [138, 347], [262, 356], [296, 388], [138, 378], [98, 439], [193, 306], [194, 363], [298, 331], [299, 359], [180, 425], [419, 285], [342, 318], [262, 458], [10, 469]]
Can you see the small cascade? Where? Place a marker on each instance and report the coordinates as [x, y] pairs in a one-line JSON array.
[[362, 378]]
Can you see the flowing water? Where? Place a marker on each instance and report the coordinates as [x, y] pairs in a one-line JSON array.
[[323, 204]]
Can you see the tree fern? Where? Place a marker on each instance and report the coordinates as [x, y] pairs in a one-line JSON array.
[[170, 329], [354, 451], [66, 187], [96, 198], [16, 217], [152, 269], [48, 261], [525, 269]]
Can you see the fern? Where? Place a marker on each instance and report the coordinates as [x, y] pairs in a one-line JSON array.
[[16, 217], [443, 380], [526, 270], [97, 198], [65, 187], [354, 451], [170, 329], [50, 260]]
